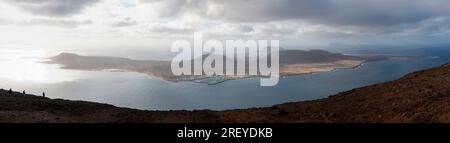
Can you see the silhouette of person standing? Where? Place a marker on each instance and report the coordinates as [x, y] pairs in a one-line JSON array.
[[43, 94], [10, 91], [23, 92]]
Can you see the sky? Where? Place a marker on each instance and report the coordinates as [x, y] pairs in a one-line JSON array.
[[121, 25]]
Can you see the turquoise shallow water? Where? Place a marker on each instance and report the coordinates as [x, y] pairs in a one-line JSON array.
[[136, 90]]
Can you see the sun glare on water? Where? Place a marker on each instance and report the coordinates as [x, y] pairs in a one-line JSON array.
[[26, 66]]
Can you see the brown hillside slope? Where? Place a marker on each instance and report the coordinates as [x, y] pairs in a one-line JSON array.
[[422, 96]]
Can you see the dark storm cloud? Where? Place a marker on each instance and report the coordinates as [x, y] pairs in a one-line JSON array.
[[357, 16], [53, 8], [267, 10], [328, 12], [334, 12]]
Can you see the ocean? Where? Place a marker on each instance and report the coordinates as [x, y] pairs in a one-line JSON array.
[[23, 70]]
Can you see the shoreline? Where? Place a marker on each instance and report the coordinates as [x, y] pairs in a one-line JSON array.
[[281, 75], [198, 79]]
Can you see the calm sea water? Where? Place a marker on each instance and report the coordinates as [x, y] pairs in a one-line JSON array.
[[136, 90]]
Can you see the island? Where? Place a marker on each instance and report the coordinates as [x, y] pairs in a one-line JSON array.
[[292, 62]]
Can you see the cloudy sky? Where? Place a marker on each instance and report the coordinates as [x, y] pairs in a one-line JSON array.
[[153, 24]]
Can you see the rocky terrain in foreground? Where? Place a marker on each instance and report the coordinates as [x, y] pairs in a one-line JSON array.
[[422, 96]]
